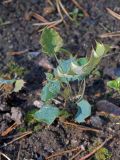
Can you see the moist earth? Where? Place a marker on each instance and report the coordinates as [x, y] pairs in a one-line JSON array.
[[79, 37]]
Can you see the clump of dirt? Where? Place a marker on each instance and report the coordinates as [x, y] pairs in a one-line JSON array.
[[20, 34]]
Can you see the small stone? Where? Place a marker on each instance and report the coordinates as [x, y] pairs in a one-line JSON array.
[[108, 108]]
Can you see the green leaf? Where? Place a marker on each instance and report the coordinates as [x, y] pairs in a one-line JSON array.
[[114, 84], [96, 57], [51, 41], [65, 70], [18, 85], [47, 114], [50, 90], [84, 111], [101, 49]]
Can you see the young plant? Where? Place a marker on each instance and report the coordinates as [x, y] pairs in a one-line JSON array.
[[114, 84], [68, 73]]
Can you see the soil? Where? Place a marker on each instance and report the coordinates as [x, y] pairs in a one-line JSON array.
[[19, 35]]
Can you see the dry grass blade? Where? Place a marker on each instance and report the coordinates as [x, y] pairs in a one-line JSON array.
[[96, 149], [110, 35], [55, 24], [8, 130], [4, 156], [48, 23], [59, 10], [38, 17], [49, 2], [80, 7], [114, 14], [63, 152], [64, 10], [19, 137]]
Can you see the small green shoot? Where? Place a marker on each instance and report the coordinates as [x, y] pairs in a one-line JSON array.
[[59, 82], [103, 154], [15, 70], [75, 14], [114, 84]]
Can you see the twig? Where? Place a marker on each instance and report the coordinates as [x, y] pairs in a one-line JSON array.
[[96, 149], [80, 7], [23, 135], [83, 128], [5, 156], [14, 53], [73, 157], [116, 15], [63, 152], [18, 155]]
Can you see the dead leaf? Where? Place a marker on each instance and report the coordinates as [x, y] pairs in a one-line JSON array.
[[16, 114], [18, 85]]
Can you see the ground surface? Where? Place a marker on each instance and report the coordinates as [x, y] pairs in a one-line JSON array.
[[20, 35]]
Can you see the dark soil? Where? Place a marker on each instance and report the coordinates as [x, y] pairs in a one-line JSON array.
[[79, 38]]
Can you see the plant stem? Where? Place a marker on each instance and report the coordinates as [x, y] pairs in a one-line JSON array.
[[56, 58]]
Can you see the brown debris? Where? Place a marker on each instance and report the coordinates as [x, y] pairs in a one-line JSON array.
[[7, 2], [48, 10]]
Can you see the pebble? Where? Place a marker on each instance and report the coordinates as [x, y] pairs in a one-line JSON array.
[[108, 107], [38, 104]]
